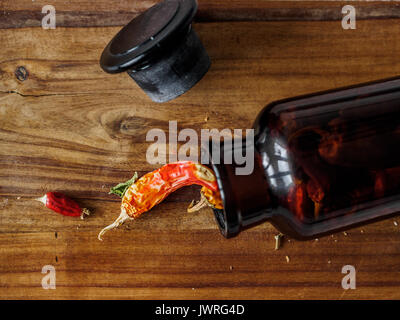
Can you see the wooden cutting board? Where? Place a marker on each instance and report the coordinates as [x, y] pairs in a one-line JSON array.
[[66, 125]]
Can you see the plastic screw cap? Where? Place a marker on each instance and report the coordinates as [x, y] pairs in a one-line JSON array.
[[159, 50]]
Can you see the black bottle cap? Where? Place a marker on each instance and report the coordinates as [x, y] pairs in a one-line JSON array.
[[159, 50]]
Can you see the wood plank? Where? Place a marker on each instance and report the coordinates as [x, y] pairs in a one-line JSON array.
[[159, 264], [65, 61], [71, 127], [75, 13]]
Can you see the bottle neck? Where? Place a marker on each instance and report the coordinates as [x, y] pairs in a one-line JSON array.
[[245, 194]]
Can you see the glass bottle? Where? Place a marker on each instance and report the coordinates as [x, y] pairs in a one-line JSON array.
[[323, 163]]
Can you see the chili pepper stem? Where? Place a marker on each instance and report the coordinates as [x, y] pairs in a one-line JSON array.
[[42, 199], [203, 202], [85, 212], [120, 220]]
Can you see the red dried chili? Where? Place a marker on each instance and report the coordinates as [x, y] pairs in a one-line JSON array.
[[61, 204], [140, 195]]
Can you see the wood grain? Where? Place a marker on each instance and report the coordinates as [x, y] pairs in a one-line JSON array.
[[71, 127], [77, 13]]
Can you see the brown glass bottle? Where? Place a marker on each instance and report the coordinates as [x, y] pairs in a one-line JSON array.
[[324, 163]]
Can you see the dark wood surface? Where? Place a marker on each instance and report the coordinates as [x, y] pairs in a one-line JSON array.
[[78, 13], [73, 128]]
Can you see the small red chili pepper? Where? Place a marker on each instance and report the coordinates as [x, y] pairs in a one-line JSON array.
[[61, 204], [140, 195]]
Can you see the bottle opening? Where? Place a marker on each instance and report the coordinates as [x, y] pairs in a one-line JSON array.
[[245, 197]]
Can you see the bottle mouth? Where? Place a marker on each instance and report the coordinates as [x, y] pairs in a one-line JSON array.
[[227, 218], [245, 197]]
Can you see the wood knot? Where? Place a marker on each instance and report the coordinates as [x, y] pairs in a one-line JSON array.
[[21, 73], [132, 127]]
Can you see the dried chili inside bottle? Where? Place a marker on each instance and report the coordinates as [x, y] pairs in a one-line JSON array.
[[323, 163]]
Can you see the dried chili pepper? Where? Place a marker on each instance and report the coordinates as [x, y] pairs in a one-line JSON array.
[[61, 204], [140, 195]]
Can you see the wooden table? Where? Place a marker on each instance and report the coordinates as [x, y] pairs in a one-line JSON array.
[[73, 128]]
